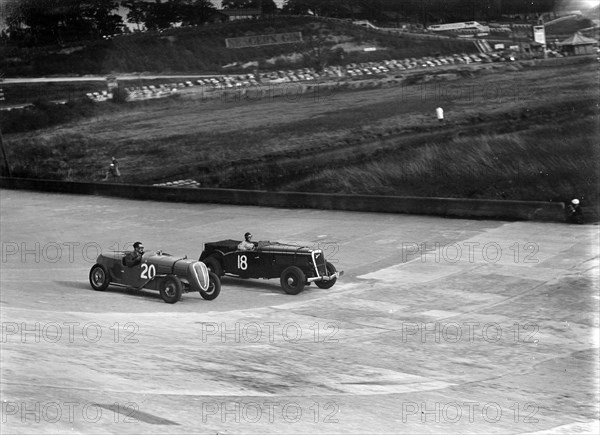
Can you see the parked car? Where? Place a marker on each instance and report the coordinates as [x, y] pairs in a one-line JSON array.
[[295, 266], [168, 274]]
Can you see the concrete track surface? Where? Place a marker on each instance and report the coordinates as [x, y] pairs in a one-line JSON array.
[[437, 326]]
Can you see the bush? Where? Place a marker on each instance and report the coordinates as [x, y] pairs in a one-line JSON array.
[[44, 113], [54, 157], [32, 159], [26, 119], [119, 95]]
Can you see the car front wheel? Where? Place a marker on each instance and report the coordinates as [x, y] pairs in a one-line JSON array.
[[214, 265], [293, 280], [99, 277], [214, 287], [170, 289], [330, 271]]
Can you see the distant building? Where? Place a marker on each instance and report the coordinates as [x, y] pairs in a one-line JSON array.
[[462, 27], [578, 44]]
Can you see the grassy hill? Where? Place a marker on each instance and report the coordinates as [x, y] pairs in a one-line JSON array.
[[512, 132], [202, 49]]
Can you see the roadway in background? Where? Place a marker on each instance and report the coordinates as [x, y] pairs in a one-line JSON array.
[[91, 78]]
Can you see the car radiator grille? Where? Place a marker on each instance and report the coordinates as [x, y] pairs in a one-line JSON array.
[[320, 260]]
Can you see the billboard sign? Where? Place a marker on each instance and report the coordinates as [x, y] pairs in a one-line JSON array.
[[539, 34], [258, 40]]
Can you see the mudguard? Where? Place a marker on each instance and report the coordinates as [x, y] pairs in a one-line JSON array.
[[198, 276]]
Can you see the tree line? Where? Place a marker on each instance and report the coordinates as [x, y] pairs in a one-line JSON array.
[[40, 22], [423, 11], [56, 21]]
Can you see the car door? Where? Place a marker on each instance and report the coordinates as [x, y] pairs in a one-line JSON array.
[[248, 264], [137, 276]]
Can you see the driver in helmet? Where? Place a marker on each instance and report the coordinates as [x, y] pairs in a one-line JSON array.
[[246, 244]]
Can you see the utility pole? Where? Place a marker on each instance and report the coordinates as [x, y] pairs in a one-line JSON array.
[[6, 165]]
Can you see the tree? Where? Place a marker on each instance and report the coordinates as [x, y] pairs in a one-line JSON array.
[[160, 15], [307, 7], [372, 9], [52, 21], [336, 8], [296, 7], [268, 7], [318, 42], [101, 14], [400, 10], [41, 21], [135, 12], [194, 12]]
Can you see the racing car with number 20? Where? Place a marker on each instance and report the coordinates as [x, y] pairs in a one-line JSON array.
[[170, 275]]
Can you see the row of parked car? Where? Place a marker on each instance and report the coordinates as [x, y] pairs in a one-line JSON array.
[[353, 70], [350, 71], [151, 91], [99, 96], [424, 62]]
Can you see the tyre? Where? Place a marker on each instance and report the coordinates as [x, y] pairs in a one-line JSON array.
[[330, 271], [293, 280], [99, 277], [214, 287], [170, 289], [214, 266]]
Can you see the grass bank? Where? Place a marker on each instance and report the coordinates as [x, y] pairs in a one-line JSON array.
[[544, 163], [527, 134]]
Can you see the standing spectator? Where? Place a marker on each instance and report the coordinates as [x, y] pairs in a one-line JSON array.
[[574, 212], [113, 170], [115, 165]]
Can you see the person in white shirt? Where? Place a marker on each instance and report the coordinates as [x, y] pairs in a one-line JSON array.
[[247, 244]]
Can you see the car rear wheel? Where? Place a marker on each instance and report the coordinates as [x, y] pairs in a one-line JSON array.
[[214, 287], [214, 265], [330, 271], [293, 280], [99, 277], [170, 289]]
